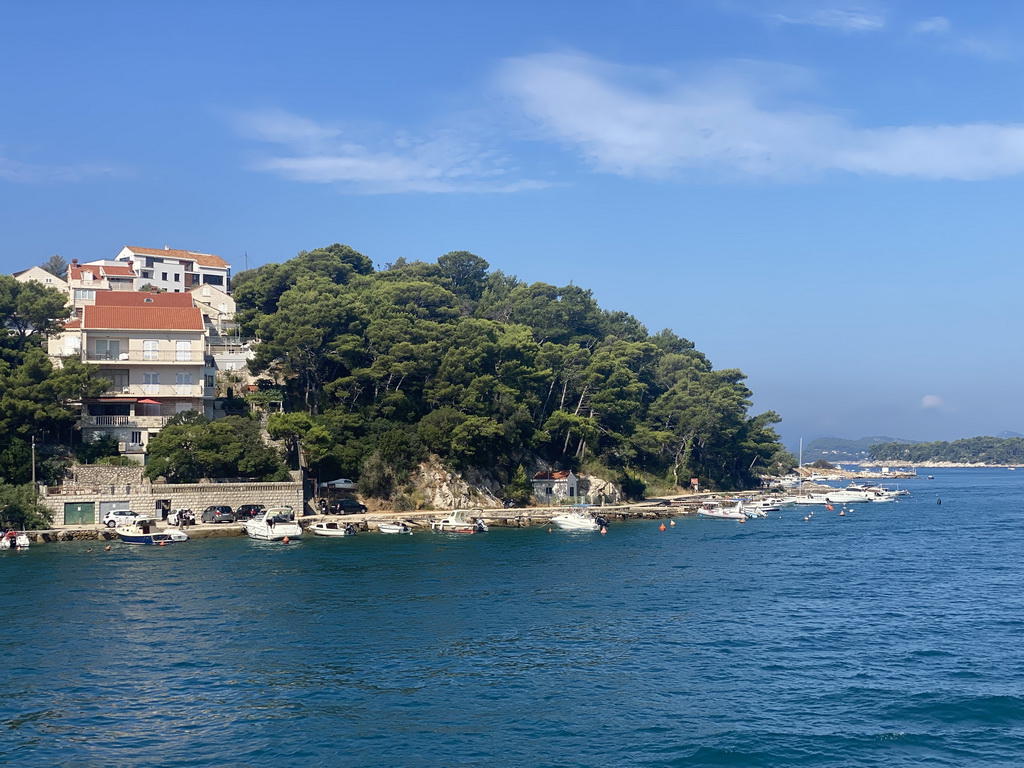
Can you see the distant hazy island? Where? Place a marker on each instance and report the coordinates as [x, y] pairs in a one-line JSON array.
[[996, 451]]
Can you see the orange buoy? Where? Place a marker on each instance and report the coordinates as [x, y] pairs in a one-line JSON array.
[[549, 530], [107, 549], [162, 543], [603, 529], [285, 540], [662, 527], [843, 513]]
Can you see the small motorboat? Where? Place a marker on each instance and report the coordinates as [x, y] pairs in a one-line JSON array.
[[333, 528], [15, 540], [145, 531], [576, 521], [274, 524], [396, 526], [716, 511], [458, 522]]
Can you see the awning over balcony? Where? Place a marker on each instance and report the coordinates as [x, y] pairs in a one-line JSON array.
[[147, 401]]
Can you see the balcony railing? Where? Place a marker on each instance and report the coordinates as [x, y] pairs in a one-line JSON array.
[[142, 356], [159, 390], [138, 422]]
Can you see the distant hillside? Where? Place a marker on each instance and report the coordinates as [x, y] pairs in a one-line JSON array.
[[972, 450], [838, 449]]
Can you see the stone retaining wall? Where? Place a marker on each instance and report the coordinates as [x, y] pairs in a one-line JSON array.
[[142, 498]]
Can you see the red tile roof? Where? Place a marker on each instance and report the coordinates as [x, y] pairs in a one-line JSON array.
[[142, 318], [203, 259], [142, 299], [98, 271]]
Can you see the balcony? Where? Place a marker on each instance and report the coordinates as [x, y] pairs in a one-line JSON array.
[[141, 356], [134, 422], [160, 390]]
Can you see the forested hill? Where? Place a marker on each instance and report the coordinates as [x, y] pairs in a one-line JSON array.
[[971, 450], [381, 368]]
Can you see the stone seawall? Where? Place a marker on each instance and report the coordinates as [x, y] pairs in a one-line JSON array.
[[147, 498]]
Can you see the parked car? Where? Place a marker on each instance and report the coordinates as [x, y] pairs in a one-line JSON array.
[[218, 514], [116, 517], [248, 511], [341, 484], [347, 507]]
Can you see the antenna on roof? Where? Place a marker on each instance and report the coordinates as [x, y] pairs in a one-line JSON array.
[[247, 260]]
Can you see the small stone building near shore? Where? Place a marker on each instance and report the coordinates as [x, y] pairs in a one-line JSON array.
[[91, 491], [554, 487]]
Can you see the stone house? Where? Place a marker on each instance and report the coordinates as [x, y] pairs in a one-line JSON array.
[[553, 487]]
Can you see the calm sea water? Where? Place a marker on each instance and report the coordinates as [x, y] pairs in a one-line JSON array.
[[888, 637]]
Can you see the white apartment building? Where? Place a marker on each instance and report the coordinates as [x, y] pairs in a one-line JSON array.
[[175, 271], [152, 348]]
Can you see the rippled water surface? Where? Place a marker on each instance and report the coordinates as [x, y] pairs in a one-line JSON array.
[[888, 637]]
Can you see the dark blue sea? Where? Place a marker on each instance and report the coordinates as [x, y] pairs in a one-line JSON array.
[[893, 636]]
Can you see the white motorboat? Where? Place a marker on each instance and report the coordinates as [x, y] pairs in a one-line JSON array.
[[333, 528], [578, 521], [396, 526], [715, 511], [15, 540], [459, 522], [274, 524], [144, 530]]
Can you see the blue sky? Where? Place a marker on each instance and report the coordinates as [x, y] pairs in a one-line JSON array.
[[822, 194]]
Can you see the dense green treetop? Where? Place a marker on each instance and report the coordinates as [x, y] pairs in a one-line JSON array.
[[380, 368]]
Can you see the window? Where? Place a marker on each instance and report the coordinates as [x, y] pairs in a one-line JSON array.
[[163, 276], [209, 381], [137, 438], [183, 383], [151, 350], [108, 349], [84, 294], [147, 274], [213, 279], [118, 379], [151, 383], [182, 350], [177, 277]]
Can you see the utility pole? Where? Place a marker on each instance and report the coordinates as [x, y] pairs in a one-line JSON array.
[[34, 489]]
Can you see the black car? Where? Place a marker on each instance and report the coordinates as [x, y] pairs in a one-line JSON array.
[[218, 514], [347, 507], [248, 512]]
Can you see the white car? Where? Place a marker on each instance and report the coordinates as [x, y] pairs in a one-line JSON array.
[[341, 484], [116, 517]]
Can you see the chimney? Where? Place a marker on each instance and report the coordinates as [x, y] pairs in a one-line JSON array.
[[167, 247], [74, 261]]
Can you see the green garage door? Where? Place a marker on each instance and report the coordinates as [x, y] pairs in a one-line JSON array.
[[80, 513]]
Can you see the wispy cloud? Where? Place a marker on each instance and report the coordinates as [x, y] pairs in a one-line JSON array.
[[941, 30], [649, 122], [20, 172], [936, 25], [840, 16], [446, 160], [931, 402]]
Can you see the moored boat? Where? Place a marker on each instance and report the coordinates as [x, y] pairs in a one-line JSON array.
[[578, 521], [144, 530], [715, 511], [396, 526], [333, 528], [15, 540], [459, 522], [274, 524]]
